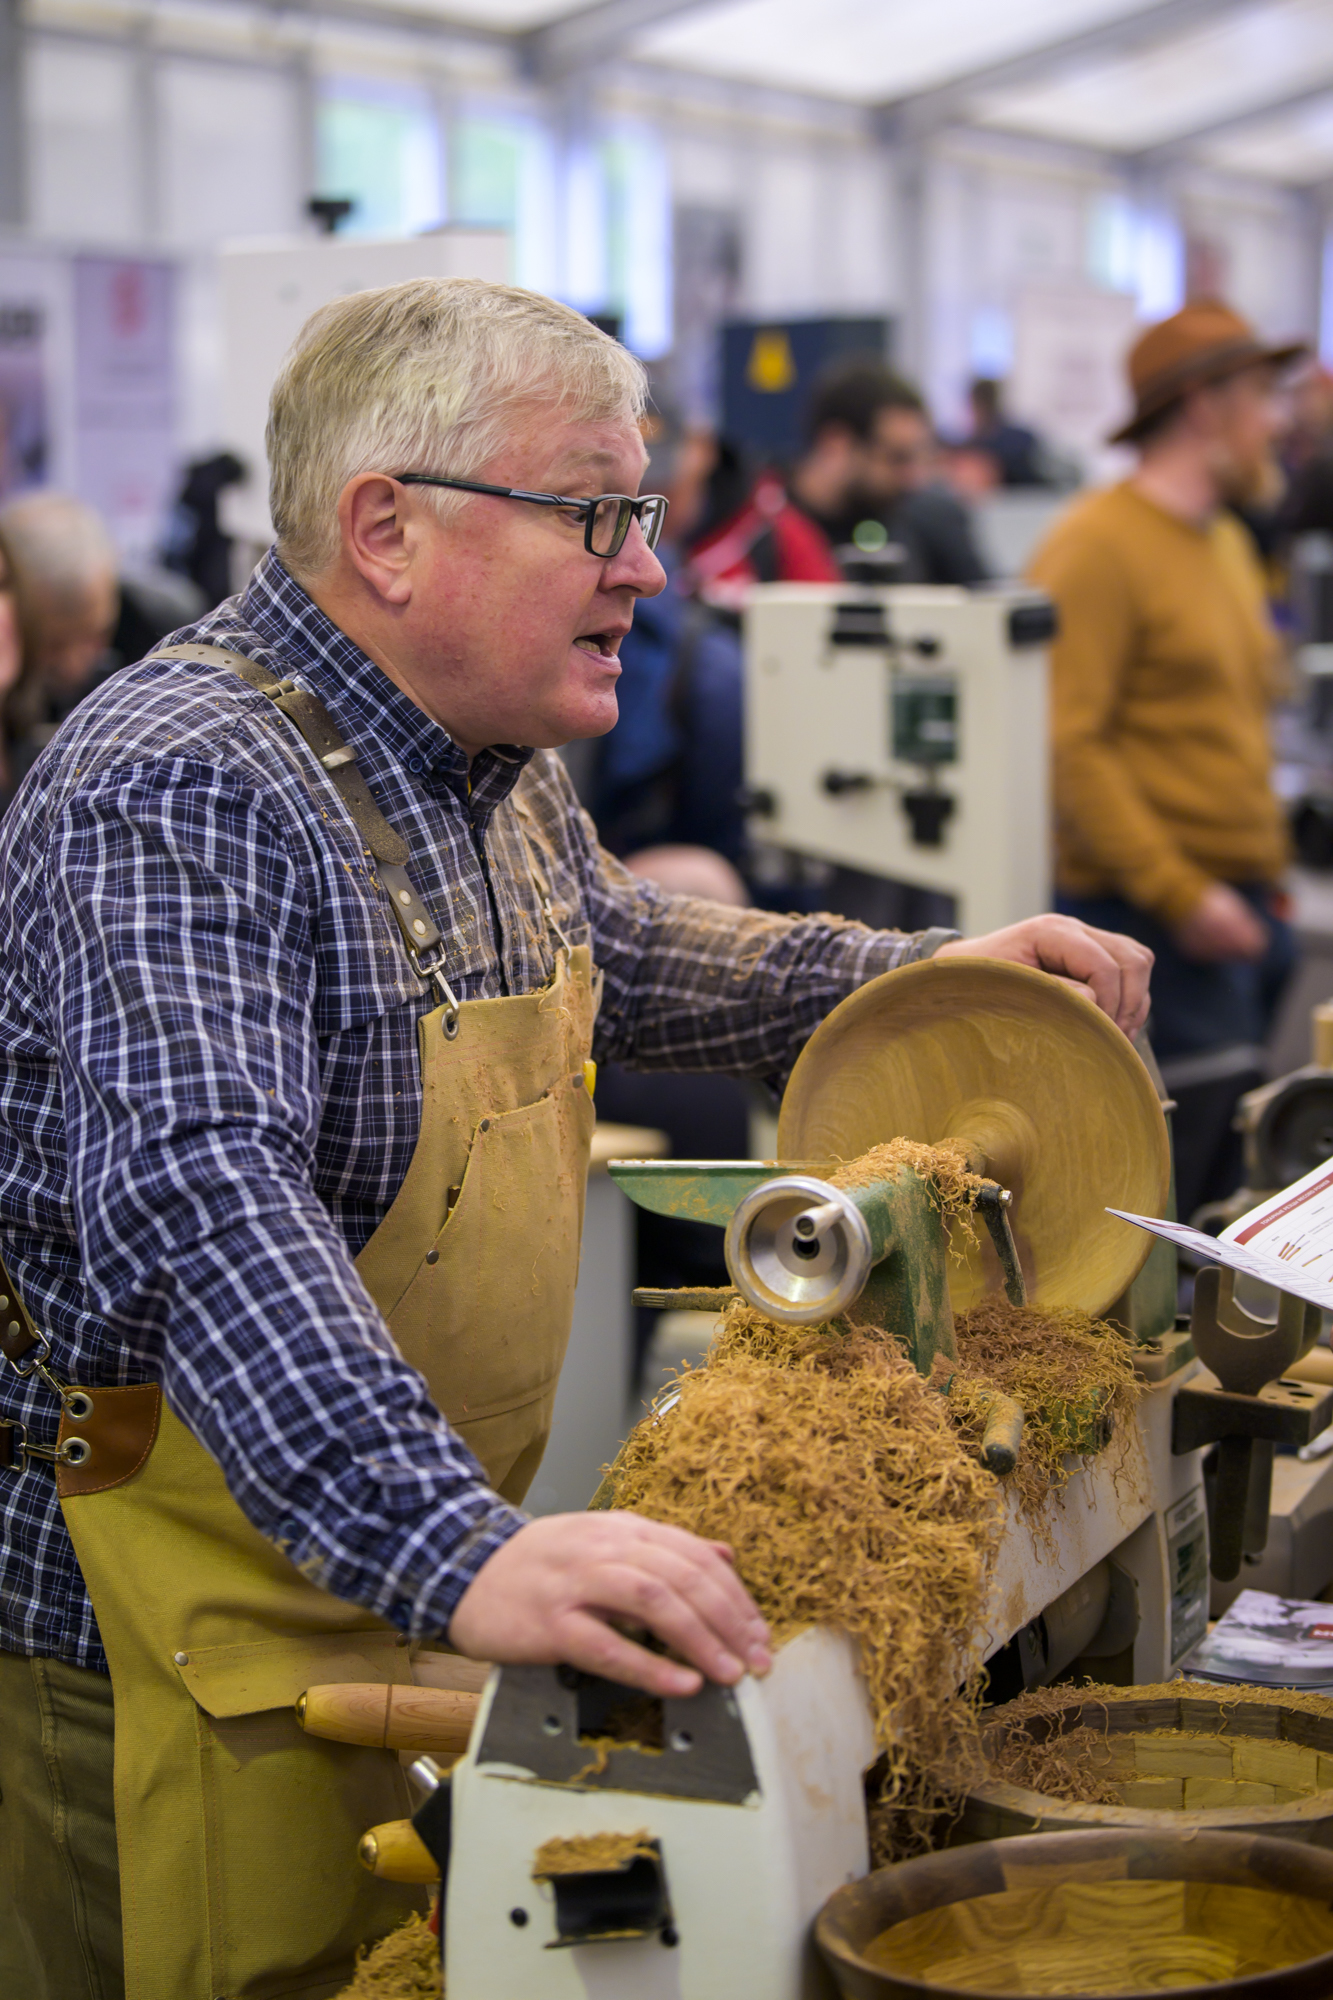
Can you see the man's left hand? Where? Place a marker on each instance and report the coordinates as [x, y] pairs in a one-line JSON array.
[[1112, 970]]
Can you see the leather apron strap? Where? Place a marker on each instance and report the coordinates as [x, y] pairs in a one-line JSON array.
[[237, 1833]]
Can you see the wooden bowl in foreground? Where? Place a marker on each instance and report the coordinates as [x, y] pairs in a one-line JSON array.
[[1205, 1916]]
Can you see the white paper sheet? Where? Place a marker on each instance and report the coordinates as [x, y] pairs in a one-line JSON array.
[[1286, 1241]]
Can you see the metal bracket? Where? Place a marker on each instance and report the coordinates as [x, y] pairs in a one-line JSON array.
[[559, 1725]]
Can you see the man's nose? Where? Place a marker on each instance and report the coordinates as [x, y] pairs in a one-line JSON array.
[[636, 568]]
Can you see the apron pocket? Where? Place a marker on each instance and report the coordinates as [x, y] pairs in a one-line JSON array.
[[486, 1318]]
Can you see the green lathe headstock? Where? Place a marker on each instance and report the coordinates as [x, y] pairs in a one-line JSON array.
[[803, 1251]]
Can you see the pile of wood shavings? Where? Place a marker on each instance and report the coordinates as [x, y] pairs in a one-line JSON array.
[[1062, 1767], [944, 1168], [1065, 1766], [830, 1466], [403, 1966], [584, 1853], [1053, 1363]]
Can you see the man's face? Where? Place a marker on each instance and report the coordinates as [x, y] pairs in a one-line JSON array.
[[895, 460], [70, 634], [1243, 418], [512, 629]]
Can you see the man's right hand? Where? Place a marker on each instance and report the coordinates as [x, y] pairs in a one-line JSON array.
[[556, 1592], [1222, 926]]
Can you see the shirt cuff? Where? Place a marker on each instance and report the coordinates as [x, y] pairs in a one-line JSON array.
[[428, 1615]]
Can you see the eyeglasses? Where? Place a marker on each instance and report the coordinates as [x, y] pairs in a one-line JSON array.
[[606, 517]]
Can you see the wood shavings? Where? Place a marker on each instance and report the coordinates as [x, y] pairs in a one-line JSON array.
[[403, 1966], [1067, 1767], [1073, 1376], [943, 1168], [831, 1468], [851, 1493], [590, 1853]]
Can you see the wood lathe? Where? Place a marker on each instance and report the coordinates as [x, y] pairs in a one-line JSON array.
[[698, 1838]]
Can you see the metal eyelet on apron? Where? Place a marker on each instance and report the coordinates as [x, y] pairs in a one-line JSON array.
[[452, 1003]]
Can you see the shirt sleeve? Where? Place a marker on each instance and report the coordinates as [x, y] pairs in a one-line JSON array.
[[1103, 817], [182, 918], [692, 985]]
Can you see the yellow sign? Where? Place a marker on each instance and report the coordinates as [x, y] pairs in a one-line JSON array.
[[770, 368]]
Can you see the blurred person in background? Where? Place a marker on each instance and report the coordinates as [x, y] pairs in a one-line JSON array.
[[11, 658], [865, 481], [68, 600], [1013, 449], [666, 781], [196, 544], [1163, 676]]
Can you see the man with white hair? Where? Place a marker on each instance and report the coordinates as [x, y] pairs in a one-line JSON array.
[[65, 579], [307, 954]]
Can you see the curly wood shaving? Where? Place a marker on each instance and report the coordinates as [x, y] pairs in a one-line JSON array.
[[589, 1853]]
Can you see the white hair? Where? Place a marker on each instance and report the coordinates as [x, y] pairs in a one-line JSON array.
[[429, 376], [59, 548]]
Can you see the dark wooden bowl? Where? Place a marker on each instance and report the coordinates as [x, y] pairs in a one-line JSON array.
[[1250, 1871]]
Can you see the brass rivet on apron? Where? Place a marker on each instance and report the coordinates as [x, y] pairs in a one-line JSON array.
[[181, 1659], [432, 1256], [4, 1301], [404, 895], [13, 1329], [418, 927]]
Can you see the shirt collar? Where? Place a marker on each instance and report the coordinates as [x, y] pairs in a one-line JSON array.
[[361, 698]]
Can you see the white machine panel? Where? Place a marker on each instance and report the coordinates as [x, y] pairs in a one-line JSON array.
[[745, 1879], [872, 710], [270, 289]]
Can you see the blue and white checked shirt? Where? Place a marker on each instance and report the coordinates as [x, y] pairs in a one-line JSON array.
[[210, 1093]]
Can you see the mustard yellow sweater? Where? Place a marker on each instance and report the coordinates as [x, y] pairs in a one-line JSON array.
[[1162, 676]]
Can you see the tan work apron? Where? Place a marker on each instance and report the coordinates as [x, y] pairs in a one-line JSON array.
[[237, 1834]]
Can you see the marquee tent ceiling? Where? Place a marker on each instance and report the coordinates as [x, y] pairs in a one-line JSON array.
[[1239, 83]]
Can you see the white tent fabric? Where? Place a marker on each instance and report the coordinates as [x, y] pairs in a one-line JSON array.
[[1246, 84]]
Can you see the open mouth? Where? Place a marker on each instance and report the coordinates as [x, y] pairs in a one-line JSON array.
[[603, 645]]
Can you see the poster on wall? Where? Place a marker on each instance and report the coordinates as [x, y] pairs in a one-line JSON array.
[[125, 395], [25, 417], [1068, 379]]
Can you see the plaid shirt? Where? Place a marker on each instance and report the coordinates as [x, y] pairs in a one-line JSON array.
[[210, 1090]]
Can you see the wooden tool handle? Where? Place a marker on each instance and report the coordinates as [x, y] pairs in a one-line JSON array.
[[397, 1853], [389, 1718]]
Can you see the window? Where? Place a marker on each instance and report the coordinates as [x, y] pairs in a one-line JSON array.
[[380, 148]]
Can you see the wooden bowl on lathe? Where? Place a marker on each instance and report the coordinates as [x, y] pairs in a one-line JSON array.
[[1206, 1916], [1043, 1090]]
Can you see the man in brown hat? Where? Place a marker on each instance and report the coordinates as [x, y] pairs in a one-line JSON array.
[[1167, 828]]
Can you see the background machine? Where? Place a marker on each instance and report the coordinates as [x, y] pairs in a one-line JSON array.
[[901, 730]]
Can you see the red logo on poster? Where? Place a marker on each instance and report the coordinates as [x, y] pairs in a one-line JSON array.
[[128, 301]]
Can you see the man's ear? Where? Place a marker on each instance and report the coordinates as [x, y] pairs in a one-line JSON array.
[[379, 534]]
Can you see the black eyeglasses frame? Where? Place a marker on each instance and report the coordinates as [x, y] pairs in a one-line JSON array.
[[631, 508]]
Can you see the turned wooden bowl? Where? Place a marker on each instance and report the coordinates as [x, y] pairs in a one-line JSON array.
[[1205, 1916], [1210, 1760]]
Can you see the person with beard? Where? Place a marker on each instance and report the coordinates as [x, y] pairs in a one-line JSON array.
[[1163, 674], [868, 462]]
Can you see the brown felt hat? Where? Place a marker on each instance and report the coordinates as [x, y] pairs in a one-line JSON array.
[[1204, 342]]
